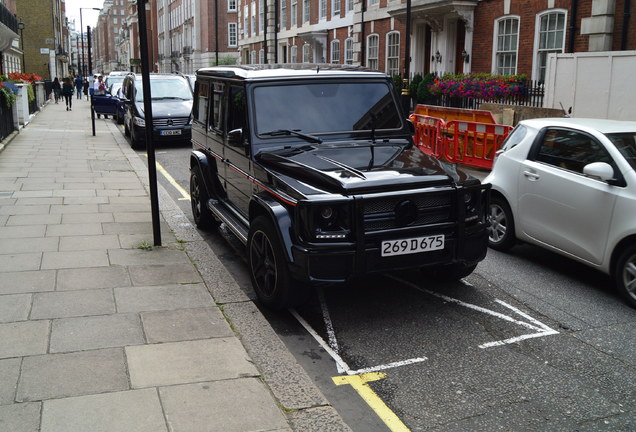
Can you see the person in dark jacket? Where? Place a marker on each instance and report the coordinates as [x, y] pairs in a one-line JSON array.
[[79, 83], [67, 92], [57, 90], [85, 89]]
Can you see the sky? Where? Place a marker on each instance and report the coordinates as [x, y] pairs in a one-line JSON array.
[[89, 16]]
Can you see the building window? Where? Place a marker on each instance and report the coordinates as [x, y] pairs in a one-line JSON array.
[[306, 53], [252, 57], [322, 9], [393, 53], [306, 10], [373, 42], [349, 6], [231, 35], [374, 2], [261, 56], [283, 15], [294, 54], [507, 39], [261, 15], [335, 51], [253, 19], [231, 5], [348, 51], [551, 34], [335, 7], [246, 28], [294, 12]]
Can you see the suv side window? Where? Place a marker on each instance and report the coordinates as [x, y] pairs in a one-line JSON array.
[[570, 150], [216, 107], [200, 106], [236, 109]]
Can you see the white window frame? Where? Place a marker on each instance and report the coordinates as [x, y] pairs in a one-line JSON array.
[[538, 52], [293, 54], [246, 21], [349, 6], [261, 56], [392, 59], [371, 55], [348, 59], [306, 11], [499, 51], [306, 53], [293, 13], [253, 20], [261, 15], [231, 5], [322, 10], [232, 34], [334, 51], [336, 5], [282, 21], [252, 57]]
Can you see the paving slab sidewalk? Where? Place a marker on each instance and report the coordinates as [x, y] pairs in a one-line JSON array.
[[98, 331]]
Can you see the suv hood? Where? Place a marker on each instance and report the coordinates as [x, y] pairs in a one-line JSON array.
[[167, 108], [358, 168]]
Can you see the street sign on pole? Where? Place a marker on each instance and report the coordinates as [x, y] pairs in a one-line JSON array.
[[150, 146]]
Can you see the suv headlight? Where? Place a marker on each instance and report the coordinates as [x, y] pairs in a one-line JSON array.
[[327, 222], [473, 204], [139, 121]]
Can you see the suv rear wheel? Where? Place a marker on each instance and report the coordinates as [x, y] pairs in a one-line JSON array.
[[266, 263], [199, 201], [625, 274]]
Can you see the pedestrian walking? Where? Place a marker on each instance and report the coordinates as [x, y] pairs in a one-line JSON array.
[[85, 90], [67, 92], [57, 90], [79, 83]]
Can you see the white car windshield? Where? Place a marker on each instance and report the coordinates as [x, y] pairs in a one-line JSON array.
[[626, 144], [168, 88]]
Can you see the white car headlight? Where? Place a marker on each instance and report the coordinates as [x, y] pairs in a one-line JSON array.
[[139, 121]]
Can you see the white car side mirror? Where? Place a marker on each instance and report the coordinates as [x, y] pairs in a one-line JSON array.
[[600, 170]]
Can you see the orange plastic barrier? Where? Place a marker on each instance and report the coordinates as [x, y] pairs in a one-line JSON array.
[[428, 134], [473, 143], [463, 142], [450, 114]]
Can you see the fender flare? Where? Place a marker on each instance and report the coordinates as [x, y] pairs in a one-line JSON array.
[[264, 204], [200, 159]]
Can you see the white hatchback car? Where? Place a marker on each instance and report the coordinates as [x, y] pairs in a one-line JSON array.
[[569, 185]]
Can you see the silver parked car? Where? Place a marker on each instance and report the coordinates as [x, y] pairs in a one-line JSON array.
[[569, 185]]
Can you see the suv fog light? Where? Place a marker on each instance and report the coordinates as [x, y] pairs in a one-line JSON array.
[[326, 213]]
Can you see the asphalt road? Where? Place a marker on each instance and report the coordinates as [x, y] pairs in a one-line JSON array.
[[529, 342]]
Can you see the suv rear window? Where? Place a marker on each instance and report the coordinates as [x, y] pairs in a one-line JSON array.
[[325, 107]]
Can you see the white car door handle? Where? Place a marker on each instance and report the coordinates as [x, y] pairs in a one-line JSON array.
[[531, 175]]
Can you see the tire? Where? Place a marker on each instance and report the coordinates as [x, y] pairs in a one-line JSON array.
[[135, 143], [625, 275], [199, 197], [450, 272], [501, 232], [267, 266]]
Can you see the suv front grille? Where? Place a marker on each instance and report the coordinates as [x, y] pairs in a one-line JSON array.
[[176, 122], [380, 213]]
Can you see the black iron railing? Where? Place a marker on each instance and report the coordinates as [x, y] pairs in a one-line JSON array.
[[8, 18], [6, 118], [532, 97]]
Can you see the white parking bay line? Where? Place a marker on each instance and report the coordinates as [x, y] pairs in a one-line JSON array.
[[542, 329]]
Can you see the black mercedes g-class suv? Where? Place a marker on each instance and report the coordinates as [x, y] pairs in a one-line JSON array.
[[314, 169]]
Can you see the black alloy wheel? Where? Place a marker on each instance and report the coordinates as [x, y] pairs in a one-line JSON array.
[[267, 266], [199, 197]]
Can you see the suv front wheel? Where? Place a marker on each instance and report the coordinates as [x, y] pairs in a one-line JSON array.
[[266, 263], [203, 217]]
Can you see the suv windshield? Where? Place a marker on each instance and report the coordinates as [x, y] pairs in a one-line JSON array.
[[168, 88], [325, 107]]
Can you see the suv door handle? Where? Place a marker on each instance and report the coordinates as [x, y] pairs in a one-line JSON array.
[[531, 175]]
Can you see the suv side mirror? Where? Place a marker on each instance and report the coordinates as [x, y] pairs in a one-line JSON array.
[[235, 137]]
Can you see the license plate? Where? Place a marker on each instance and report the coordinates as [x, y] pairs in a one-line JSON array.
[[170, 132], [412, 245]]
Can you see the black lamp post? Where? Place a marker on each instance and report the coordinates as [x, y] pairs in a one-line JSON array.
[[21, 26], [82, 59]]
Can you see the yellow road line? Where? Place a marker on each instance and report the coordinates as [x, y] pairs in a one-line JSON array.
[[172, 181], [359, 384]]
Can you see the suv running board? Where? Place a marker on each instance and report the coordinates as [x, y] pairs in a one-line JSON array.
[[233, 221]]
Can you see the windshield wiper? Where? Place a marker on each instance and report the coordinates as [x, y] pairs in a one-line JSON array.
[[294, 132]]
